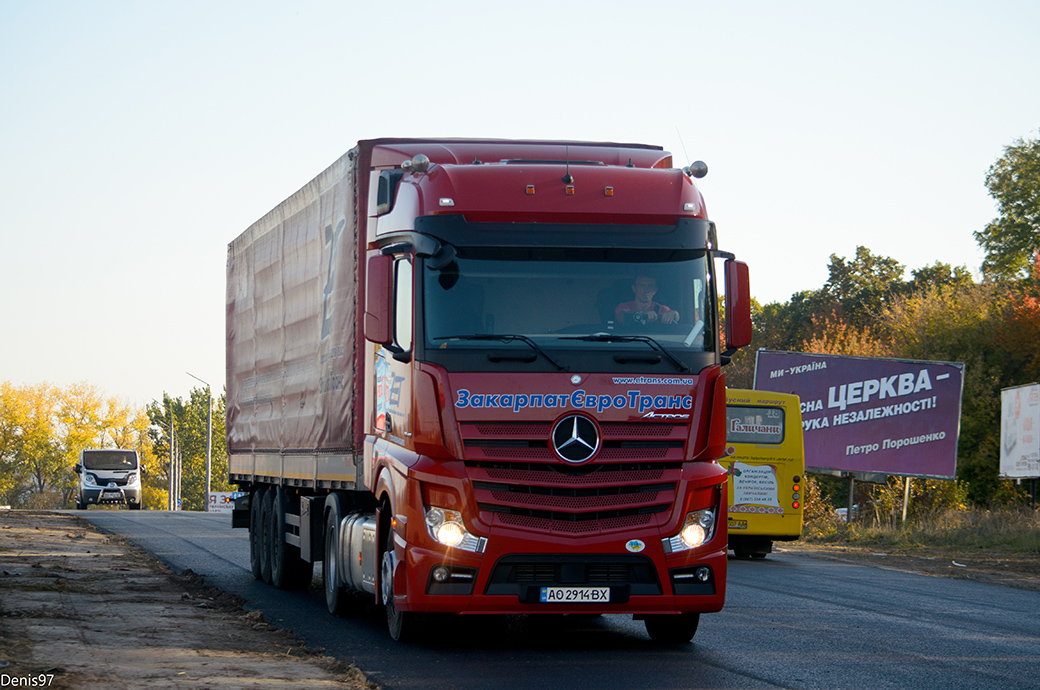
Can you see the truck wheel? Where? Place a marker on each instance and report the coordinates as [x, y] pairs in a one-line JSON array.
[[255, 532], [266, 506], [672, 629], [339, 600], [288, 570], [133, 506], [403, 625], [81, 506]]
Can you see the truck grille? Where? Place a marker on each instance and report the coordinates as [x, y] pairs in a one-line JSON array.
[[519, 482]]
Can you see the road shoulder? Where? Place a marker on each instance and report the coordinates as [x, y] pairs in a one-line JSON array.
[[82, 609]]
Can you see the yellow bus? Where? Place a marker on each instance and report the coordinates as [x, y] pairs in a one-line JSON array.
[[766, 463]]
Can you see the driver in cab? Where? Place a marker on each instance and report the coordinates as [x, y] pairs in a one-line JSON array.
[[643, 309]]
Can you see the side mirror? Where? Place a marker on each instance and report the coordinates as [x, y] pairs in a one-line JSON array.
[[738, 307], [378, 288], [144, 470], [78, 469]]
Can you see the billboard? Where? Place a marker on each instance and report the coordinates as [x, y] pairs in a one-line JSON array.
[[869, 414], [1020, 432]]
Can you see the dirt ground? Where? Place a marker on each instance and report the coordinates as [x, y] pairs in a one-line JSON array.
[[81, 609], [1020, 570]]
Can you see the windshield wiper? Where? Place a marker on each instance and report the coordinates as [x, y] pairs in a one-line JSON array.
[[506, 338], [608, 338]]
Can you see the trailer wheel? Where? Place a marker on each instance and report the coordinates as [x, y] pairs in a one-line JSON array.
[[266, 506], [672, 629], [338, 599], [403, 625], [288, 570], [255, 533]]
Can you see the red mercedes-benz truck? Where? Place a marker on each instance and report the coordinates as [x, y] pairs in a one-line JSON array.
[[485, 377]]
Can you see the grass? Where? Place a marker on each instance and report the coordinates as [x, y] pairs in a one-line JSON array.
[[1009, 530]]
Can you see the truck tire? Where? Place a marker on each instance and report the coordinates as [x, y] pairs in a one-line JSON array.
[[133, 506], [338, 598], [403, 625], [81, 506], [288, 570], [266, 507], [255, 532], [672, 629]]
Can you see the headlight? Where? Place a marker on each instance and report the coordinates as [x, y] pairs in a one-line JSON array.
[[131, 478], [697, 529], [446, 527], [89, 479]]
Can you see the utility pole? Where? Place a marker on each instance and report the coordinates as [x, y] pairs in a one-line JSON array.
[[170, 499], [209, 436]]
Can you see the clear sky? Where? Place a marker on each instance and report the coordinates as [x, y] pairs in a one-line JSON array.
[[138, 138]]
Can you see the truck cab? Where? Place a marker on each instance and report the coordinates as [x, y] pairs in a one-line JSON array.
[[109, 477]]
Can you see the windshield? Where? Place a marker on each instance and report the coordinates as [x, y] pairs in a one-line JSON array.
[[110, 460], [577, 300]]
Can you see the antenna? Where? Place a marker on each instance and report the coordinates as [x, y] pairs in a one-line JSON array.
[[681, 143], [567, 179]]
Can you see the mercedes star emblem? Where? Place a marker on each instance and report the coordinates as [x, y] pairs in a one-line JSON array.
[[575, 439]]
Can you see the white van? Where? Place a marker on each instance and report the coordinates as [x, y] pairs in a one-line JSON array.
[[109, 477]]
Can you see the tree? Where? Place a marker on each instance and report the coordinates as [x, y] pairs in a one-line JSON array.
[[189, 423], [1012, 240], [962, 325], [864, 285]]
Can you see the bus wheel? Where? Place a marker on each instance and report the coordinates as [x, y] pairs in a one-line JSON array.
[[402, 624], [672, 629]]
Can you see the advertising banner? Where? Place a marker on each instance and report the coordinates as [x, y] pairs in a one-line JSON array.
[[1020, 432], [869, 414]]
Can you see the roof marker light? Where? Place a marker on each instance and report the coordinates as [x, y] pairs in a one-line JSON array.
[[445, 201], [689, 206], [608, 191], [570, 190], [530, 189]]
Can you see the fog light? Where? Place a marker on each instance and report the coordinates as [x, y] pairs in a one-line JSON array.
[[441, 574], [703, 573]]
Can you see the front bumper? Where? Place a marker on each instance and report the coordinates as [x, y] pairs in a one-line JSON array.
[[121, 495], [499, 582]]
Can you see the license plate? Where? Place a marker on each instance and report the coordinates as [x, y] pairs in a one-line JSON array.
[[738, 524], [575, 595]]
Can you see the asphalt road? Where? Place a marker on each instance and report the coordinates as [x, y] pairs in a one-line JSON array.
[[789, 622]]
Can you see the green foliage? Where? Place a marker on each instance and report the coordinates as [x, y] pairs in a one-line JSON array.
[[189, 430], [864, 285], [1012, 240]]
